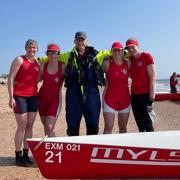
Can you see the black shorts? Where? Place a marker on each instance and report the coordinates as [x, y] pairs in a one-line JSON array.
[[26, 104]]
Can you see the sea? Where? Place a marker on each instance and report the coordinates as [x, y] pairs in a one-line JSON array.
[[162, 85]]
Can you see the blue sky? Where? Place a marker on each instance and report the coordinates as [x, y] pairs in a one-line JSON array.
[[155, 23]]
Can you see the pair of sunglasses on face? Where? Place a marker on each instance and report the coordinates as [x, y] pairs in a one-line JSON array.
[[117, 50], [130, 48], [53, 53]]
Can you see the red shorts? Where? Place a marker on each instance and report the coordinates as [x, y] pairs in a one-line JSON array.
[[49, 107]]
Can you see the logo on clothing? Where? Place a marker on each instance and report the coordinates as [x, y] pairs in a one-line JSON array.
[[56, 79], [139, 63], [36, 69], [124, 71]]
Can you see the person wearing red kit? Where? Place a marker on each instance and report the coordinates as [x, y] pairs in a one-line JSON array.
[[22, 88], [173, 82], [52, 75], [143, 75], [116, 96]]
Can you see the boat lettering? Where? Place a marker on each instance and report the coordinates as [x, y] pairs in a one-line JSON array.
[[174, 154], [135, 156], [73, 147], [52, 157], [53, 146]]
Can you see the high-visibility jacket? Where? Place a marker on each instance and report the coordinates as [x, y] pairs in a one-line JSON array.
[[70, 59]]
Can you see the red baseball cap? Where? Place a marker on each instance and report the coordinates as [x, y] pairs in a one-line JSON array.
[[117, 45], [53, 47], [132, 42]]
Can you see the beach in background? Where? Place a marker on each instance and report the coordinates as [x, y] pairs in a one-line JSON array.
[[168, 115], [162, 85]]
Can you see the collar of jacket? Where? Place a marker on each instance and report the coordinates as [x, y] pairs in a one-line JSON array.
[[88, 50]]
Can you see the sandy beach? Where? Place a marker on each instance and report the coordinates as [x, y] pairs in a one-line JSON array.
[[168, 114]]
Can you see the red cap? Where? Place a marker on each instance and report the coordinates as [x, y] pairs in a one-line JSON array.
[[117, 45], [132, 42], [53, 47]]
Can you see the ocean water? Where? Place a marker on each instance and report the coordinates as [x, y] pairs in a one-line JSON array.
[[163, 85]]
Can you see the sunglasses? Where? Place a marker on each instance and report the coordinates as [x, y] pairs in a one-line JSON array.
[[117, 50], [53, 52], [130, 47]]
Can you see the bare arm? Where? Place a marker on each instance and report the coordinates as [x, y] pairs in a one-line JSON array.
[[105, 66], [41, 66], [152, 78], [12, 74], [63, 69]]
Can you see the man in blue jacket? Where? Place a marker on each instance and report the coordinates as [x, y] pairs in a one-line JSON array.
[[82, 77]]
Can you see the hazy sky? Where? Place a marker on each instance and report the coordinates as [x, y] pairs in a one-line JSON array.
[[155, 23]]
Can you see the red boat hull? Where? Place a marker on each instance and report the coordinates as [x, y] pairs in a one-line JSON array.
[[67, 160], [167, 96]]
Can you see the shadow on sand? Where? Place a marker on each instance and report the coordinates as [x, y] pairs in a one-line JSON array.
[[10, 161], [176, 102]]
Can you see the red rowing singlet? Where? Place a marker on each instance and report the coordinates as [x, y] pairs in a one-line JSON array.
[[50, 92], [26, 79], [51, 82], [117, 94]]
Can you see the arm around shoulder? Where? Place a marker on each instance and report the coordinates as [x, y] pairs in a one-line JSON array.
[[63, 57], [101, 55]]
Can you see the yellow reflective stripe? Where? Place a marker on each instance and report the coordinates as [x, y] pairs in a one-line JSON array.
[[81, 86], [82, 89], [101, 55], [75, 62]]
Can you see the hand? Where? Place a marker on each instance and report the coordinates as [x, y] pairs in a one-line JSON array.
[[149, 108], [12, 103], [150, 102], [106, 58]]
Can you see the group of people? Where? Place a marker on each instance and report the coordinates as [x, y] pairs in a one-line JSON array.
[[174, 82], [82, 70]]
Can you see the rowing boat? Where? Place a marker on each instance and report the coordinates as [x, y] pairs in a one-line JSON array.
[[161, 96], [131, 155]]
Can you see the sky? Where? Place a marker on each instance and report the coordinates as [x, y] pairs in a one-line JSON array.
[[154, 23]]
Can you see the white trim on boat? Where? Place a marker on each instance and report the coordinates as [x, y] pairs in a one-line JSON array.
[[112, 161], [161, 139]]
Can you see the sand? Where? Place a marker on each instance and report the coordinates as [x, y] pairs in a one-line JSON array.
[[168, 114]]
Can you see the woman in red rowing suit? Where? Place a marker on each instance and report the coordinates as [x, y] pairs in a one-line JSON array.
[[22, 87], [50, 91], [116, 96]]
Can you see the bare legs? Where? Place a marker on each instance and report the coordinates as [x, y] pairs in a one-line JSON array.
[[122, 122], [49, 125], [24, 129], [109, 122], [25, 123]]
